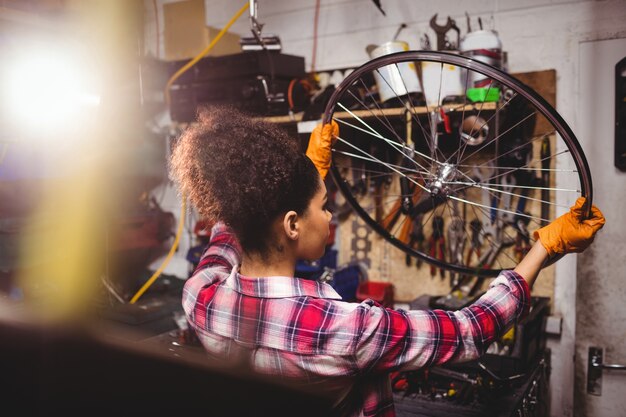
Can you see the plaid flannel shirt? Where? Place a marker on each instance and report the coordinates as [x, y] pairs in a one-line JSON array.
[[301, 331]]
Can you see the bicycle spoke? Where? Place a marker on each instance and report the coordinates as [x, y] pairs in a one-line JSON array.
[[496, 208], [527, 164], [524, 168], [530, 187], [493, 245], [498, 200], [386, 123], [458, 160], [388, 141], [383, 163], [488, 168], [405, 105], [534, 138], [411, 109], [497, 110], [405, 169], [476, 120], [495, 138], [483, 187]]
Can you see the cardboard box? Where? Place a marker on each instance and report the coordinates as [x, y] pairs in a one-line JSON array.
[[185, 33]]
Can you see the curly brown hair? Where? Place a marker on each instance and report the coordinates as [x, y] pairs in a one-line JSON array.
[[244, 172]]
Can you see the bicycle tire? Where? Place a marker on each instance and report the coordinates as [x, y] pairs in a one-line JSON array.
[[498, 77]]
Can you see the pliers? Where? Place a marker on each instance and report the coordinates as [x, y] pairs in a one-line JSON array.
[[522, 239], [475, 242], [437, 245], [416, 240]]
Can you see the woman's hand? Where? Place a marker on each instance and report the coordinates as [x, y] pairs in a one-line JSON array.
[[571, 232], [320, 143]]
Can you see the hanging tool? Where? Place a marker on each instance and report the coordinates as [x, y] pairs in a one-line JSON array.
[[359, 179], [483, 175], [520, 222], [416, 239], [399, 205], [469, 25], [494, 222], [545, 155], [455, 46], [392, 217], [400, 28], [379, 184], [407, 188], [441, 31], [258, 41], [255, 27], [522, 239], [425, 42], [437, 245], [498, 242], [405, 231], [508, 184], [445, 126], [456, 246], [377, 3], [377, 190], [475, 241]]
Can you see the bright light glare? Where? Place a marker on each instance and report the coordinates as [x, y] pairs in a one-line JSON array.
[[48, 90]]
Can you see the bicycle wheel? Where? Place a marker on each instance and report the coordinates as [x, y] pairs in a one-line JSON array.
[[459, 174]]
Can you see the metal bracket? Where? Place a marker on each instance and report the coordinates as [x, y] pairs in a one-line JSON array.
[[258, 41], [595, 366]]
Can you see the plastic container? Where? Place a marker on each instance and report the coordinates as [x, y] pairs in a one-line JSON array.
[[442, 82], [483, 94], [484, 46], [395, 80], [381, 292]]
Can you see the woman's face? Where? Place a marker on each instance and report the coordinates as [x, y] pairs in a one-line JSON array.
[[314, 226]]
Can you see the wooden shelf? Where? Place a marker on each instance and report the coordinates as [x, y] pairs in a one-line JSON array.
[[370, 113], [392, 112]]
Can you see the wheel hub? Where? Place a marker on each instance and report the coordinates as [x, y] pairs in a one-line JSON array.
[[444, 174]]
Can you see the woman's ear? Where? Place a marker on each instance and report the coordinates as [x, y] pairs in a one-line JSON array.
[[290, 225]]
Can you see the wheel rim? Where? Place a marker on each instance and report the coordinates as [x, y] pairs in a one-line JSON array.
[[445, 176]]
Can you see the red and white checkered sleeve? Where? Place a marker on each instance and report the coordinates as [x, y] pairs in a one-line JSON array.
[[398, 339], [223, 250]]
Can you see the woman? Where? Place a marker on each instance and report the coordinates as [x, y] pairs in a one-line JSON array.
[[245, 304]]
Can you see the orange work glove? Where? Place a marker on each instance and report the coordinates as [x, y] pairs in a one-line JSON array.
[[320, 142], [571, 232]]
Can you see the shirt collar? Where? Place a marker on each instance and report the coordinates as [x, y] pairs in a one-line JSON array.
[[279, 287]]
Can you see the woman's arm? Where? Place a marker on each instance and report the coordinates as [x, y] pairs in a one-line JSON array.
[[530, 266], [223, 249], [572, 232], [408, 340], [397, 339]]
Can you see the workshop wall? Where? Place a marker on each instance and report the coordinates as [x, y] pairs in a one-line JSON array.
[[537, 34], [600, 312]]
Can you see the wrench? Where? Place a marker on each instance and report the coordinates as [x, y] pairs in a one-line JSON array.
[[456, 245], [496, 231], [437, 245], [441, 32], [416, 239], [476, 241], [522, 239], [508, 183], [545, 177], [483, 176]]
